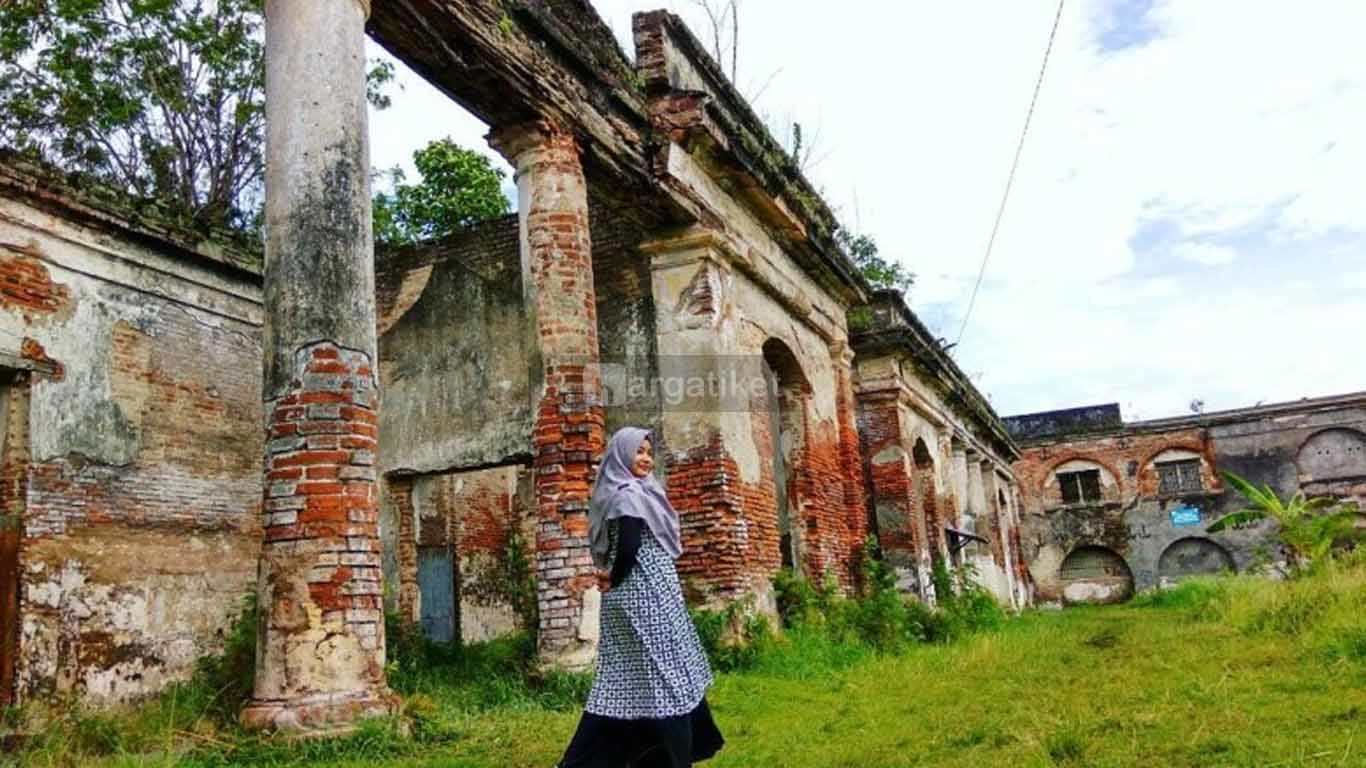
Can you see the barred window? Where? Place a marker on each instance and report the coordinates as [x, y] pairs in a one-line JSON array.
[[1179, 476], [1080, 487]]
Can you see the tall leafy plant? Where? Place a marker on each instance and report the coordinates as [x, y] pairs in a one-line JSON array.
[[1309, 528]]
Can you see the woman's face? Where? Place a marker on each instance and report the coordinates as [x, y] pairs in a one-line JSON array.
[[644, 462]]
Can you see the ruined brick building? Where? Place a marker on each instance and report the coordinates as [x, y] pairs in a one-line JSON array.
[[427, 409], [1111, 507], [131, 359]]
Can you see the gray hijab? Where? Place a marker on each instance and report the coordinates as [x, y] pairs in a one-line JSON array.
[[617, 492]]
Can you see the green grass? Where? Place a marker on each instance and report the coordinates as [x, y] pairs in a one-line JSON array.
[[1218, 672]]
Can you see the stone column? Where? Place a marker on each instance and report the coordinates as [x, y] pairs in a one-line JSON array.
[[567, 436], [320, 641]]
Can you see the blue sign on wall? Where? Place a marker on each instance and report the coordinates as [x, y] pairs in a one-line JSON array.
[[1185, 516]]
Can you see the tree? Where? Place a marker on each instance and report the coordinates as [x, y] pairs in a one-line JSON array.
[[723, 16], [880, 272], [1309, 527], [162, 98], [459, 188]]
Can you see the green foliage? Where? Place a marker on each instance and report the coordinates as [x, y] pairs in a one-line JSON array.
[[1213, 674], [1197, 596], [1065, 746], [1320, 610], [380, 75], [802, 603], [860, 319], [1309, 528], [878, 617], [506, 579], [879, 272], [941, 577], [735, 638], [501, 673], [965, 607], [163, 99], [381, 738], [229, 676], [459, 188]]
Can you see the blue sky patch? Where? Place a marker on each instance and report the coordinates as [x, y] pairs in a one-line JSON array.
[[1126, 24]]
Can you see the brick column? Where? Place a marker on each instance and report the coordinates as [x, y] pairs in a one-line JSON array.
[[320, 641], [557, 278], [725, 495], [851, 463], [900, 521]]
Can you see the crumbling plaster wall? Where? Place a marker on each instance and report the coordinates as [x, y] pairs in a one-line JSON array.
[[939, 495], [456, 365], [713, 317], [720, 297], [1274, 448], [1133, 519], [459, 364], [473, 515], [140, 532]]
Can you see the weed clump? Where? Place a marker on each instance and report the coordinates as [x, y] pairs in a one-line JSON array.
[[1199, 597], [1065, 746], [878, 617]]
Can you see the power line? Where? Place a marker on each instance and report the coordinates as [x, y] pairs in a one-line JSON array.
[[1010, 179]]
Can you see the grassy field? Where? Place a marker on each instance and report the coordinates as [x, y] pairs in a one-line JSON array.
[[1228, 672]]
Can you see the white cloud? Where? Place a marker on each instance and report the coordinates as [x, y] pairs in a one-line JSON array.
[[1208, 254], [1230, 127]]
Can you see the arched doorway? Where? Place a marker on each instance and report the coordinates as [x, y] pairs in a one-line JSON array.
[[788, 392], [1193, 556], [1095, 575]]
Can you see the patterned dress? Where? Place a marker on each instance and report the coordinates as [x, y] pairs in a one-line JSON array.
[[650, 661]]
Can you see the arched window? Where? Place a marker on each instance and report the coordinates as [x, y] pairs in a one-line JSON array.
[[1080, 481], [1176, 471], [1333, 454]]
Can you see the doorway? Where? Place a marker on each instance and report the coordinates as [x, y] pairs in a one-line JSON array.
[[788, 392], [13, 485]]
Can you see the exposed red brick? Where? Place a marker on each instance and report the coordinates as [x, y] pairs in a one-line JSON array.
[[26, 285]]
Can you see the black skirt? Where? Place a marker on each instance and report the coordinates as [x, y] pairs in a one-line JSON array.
[[670, 742]]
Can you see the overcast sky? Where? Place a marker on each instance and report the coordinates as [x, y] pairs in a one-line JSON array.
[[1189, 217]]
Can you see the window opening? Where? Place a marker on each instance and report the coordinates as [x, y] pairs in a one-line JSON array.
[[1081, 487]]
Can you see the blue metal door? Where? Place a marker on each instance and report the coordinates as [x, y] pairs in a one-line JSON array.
[[436, 584]]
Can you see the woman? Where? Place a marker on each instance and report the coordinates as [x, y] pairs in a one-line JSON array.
[[647, 705]]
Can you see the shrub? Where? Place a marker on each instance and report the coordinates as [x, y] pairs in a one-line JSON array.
[[965, 607], [230, 675], [734, 637], [800, 603], [878, 617]]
